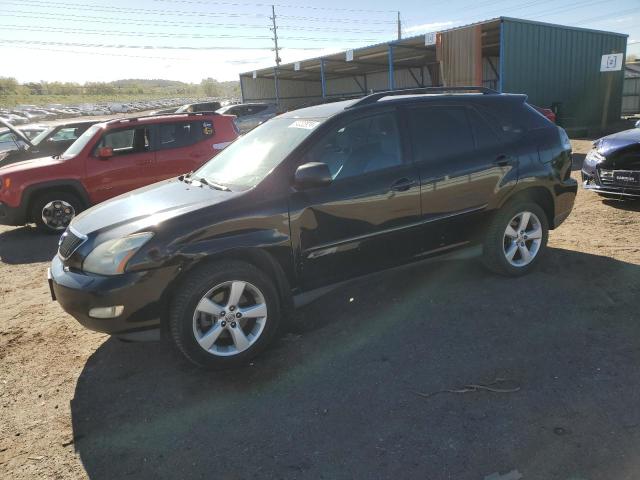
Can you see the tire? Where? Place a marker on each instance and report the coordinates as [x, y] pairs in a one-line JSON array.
[[191, 316], [66, 204], [499, 243]]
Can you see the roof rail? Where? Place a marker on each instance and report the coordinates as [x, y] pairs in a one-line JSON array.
[[374, 97], [189, 114]]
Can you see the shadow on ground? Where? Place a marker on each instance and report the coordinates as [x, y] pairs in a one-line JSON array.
[[337, 398], [27, 245], [627, 204]]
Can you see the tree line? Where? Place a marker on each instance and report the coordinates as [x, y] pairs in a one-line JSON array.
[[208, 87]]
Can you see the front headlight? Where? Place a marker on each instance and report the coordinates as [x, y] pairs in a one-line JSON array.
[[111, 257], [593, 158]]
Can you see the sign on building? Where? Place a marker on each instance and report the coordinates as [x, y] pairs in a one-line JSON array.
[[349, 55], [611, 62], [429, 39]]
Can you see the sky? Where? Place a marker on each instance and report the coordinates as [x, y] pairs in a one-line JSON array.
[[187, 40]]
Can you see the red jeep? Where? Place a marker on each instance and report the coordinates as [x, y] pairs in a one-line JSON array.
[[109, 159]]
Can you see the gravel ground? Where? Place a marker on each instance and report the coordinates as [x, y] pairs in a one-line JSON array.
[[339, 396]]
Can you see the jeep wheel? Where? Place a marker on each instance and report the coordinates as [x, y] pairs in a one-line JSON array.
[[516, 238], [224, 314], [53, 211]]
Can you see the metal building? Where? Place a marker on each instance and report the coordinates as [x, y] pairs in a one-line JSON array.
[[554, 65]]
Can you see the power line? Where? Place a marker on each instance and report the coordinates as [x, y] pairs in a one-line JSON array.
[[129, 10], [97, 53], [178, 23], [279, 5], [143, 47], [145, 11], [85, 31]]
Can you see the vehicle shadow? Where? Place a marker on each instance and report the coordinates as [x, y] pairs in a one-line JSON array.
[[27, 245], [629, 205], [577, 159], [337, 398]]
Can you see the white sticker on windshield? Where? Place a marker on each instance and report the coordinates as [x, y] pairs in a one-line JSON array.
[[306, 124]]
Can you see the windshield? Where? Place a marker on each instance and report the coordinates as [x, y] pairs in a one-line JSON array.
[[41, 136], [77, 146], [249, 159]]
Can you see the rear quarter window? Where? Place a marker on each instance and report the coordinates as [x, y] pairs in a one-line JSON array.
[[183, 134]]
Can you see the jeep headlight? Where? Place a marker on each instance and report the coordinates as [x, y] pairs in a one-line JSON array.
[[593, 158], [111, 257]]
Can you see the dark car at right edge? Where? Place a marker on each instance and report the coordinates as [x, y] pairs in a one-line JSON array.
[[612, 167], [216, 260]]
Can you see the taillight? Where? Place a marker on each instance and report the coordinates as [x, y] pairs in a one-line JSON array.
[[564, 139]]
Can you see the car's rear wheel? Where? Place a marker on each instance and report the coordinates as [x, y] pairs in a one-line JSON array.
[[516, 238], [53, 211], [224, 314]]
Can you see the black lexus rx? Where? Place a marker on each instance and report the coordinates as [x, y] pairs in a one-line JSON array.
[[218, 257]]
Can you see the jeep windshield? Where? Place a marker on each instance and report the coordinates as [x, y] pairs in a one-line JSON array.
[[249, 159], [77, 146]]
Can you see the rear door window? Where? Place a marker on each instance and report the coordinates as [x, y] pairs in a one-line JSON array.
[[183, 134], [485, 135], [439, 132]]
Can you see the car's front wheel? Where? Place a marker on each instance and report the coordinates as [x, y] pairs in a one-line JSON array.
[[516, 238], [224, 314], [53, 211]]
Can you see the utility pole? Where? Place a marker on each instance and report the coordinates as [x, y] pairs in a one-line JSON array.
[[399, 27], [277, 50]]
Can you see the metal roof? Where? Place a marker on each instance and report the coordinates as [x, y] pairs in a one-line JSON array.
[[408, 52]]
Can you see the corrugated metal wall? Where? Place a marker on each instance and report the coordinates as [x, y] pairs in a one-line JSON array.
[[557, 64], [296, 93], [293, 93], [631, 96]]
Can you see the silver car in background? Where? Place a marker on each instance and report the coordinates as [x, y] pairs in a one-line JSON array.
[[250, 115]]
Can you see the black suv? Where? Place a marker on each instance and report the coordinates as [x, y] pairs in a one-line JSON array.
[[218, 257]]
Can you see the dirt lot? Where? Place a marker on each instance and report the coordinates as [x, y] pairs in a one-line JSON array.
[[336, 398]]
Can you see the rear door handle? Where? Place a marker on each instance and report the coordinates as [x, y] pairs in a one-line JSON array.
[[403, 184], [503, 160]]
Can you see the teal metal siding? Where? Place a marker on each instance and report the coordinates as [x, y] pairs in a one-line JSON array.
[[561, 64]]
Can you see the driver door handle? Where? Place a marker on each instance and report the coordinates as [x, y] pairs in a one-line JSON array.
[[402, 185]]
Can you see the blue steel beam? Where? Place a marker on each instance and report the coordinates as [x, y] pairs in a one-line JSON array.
[[322, 79], [391, 75]]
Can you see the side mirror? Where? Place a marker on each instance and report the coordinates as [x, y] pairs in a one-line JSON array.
[[105, 153], [312, 175]]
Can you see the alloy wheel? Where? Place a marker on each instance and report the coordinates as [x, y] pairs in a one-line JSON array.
[[230, 318], [522, 239], [57, 214]]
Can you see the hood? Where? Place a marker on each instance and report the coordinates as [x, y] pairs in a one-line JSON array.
[[148, 207], [27, 165], [17, 132], [611, 143]]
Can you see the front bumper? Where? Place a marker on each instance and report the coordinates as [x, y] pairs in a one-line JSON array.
[[13, 216], [141, 294], [591, 181]]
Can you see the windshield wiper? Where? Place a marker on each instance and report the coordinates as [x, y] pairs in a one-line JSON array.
[[215, 185]]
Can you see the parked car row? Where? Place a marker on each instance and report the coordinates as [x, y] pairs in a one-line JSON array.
[[23, 114]]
